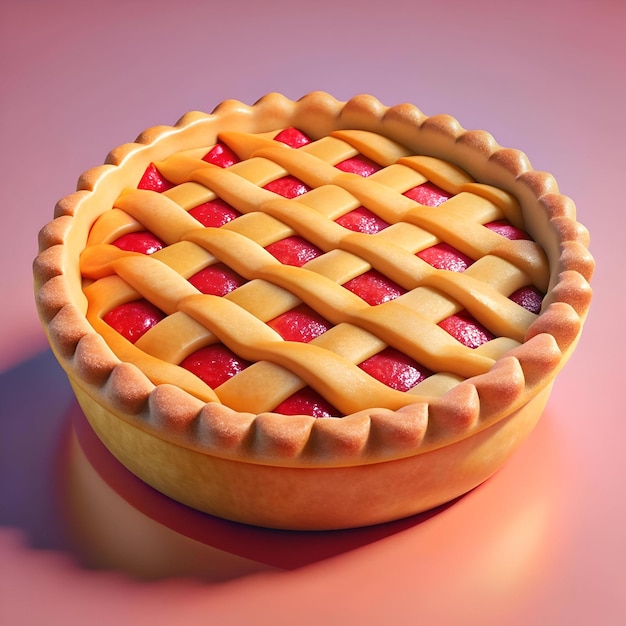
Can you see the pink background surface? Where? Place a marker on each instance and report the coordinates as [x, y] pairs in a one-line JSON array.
[[543, 542]]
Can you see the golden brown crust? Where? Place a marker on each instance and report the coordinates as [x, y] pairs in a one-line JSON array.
[[367, 436]]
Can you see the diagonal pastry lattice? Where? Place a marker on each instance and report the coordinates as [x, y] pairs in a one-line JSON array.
[[328, 363]]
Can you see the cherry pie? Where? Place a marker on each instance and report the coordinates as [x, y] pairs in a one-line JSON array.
[[313, 314]]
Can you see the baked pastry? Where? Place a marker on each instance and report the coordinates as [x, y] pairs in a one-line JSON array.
[[313, 314]]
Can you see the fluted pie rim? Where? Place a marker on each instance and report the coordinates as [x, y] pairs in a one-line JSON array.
[[369, 436]]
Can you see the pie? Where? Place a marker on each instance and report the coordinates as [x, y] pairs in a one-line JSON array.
[[313, 314]]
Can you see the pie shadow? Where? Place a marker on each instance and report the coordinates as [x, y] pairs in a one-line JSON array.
[[126, 495], [66, 492], [63, 488]]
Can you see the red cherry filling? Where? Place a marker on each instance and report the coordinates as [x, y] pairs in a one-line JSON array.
[[307, 402], [140, 241], [287, 187], [528, 297], [359, 165], [443, 256], [221, 155], [362, 220], [465, 329], [293, 251], [395, 369], [214, 213], [428, 194], [214, 364], [293, 137], [506, 229], [153, 180], [133, 319], [216, 280], [299, 324], [374, 288]]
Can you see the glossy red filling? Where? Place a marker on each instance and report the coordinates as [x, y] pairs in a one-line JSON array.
[[133, 319], [300, 324], [293, 251], [428, 194], [216, 280], [288, 187], [395, 369], [465, 329], [506, 229], [362, 220], [139, 241], [307, 402], [443, 256], [293, 137], [359, 165], [374, 288], [216, 363], [528, 297], [221, 155], [153, 180], [214, 213]]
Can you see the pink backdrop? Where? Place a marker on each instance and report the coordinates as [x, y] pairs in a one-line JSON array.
[[543, 542]]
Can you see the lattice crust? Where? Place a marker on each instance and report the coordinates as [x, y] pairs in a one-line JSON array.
[[469, 389]]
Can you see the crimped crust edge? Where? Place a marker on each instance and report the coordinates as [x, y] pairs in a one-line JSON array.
[[368, 436]]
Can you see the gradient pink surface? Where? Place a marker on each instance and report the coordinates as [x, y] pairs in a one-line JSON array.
[[543, 542]]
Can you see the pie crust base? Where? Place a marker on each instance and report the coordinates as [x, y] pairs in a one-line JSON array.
[[305, 498], [298, 472]]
